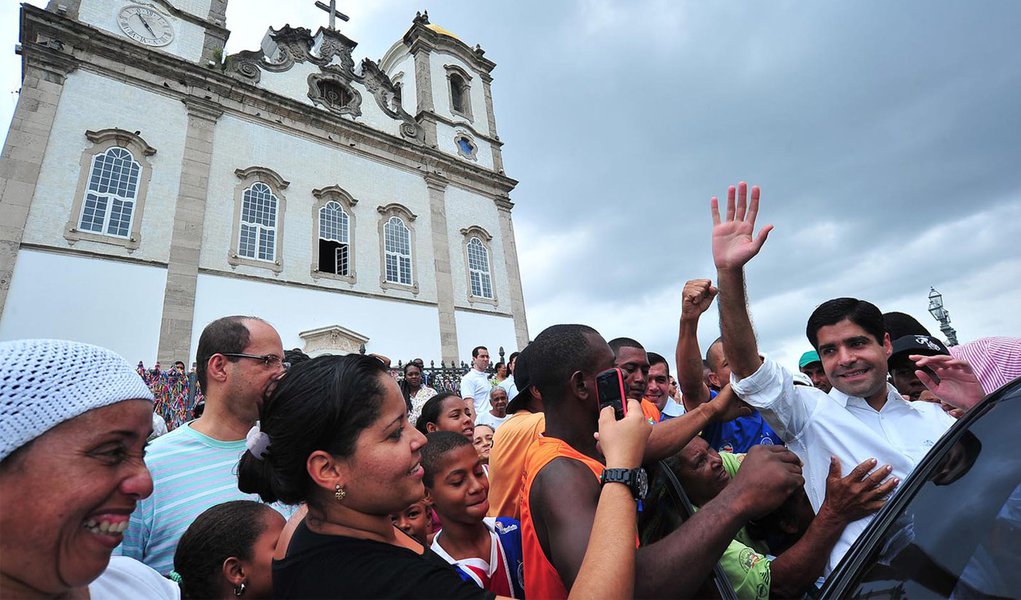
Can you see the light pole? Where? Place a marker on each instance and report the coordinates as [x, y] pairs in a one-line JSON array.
[[942, 315]]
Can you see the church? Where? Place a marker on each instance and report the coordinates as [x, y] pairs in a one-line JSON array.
[[151, 183]]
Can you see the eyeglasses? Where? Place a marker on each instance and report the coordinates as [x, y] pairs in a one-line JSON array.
[[268, 360]]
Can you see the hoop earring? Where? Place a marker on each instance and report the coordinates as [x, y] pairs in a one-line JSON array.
[[340, 493], [239, 590]]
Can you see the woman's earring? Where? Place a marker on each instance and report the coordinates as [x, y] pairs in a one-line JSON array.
[[340, 493], [239, 589]]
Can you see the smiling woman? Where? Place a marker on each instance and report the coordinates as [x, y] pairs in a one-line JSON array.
[[338, 440], [74, 419]]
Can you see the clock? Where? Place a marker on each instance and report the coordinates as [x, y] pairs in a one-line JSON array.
[[145, 25]]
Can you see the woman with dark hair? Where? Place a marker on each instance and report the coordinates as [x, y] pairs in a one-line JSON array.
[[335, 435], [447, 412], [416, 393], [227, 552], [500, 375]]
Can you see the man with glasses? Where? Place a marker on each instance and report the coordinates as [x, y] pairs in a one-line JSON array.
[[239, 360]]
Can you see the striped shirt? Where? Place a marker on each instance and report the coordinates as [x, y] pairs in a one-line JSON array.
[[995, 360], [191, 472]]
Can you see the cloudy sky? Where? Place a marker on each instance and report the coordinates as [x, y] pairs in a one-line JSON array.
[[886, 137]]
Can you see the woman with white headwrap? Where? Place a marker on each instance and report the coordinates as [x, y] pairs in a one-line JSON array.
[[74, 419]]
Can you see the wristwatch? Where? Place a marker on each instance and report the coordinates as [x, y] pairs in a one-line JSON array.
[[636, 479]]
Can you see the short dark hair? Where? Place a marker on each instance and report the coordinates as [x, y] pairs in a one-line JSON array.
[[220, 532], [709, 361], [860, 312], [900, 324], [437, 445], [513, 355], [431, 410], [223, 336], [475, 351], [623, 342], [555, 354], [657, 359], [323, 404]]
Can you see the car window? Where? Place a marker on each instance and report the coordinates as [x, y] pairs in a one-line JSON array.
[[959, 536]]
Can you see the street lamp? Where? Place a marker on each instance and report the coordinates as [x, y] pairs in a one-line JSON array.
[[942, 315]]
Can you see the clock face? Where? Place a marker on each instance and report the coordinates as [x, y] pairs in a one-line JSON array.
[[145, 25]]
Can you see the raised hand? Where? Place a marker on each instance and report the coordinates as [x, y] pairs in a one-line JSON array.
[[733, 244], [696, 297], [955, 382], [858, 495]]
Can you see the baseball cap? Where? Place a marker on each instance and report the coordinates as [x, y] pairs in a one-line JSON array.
[[808, 358], [522, 381], [916, 344]]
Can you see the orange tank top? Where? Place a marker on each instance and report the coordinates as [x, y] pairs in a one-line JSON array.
[[651, 412], [542, 580]]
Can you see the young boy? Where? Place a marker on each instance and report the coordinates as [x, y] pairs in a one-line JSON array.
[[484, 550], [416, 520]]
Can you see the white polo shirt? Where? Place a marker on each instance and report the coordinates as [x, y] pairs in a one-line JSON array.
[[816, 425]]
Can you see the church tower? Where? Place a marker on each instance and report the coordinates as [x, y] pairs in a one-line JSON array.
[[151, 184]]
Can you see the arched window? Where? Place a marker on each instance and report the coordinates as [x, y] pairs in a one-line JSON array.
[[110, 198], [333, 239], [333, 225], [258, 219], [397, 248], [258, 237], [115, 175], [397, 245], [479, 265], [459, 82], [478, 269]]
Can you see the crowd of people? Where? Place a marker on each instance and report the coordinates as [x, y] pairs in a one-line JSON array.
[[328, 477]]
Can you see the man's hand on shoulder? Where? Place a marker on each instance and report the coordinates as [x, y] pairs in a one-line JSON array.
[[733, 244]]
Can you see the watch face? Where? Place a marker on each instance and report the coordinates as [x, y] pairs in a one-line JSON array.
[[642, 481], [145, 25]]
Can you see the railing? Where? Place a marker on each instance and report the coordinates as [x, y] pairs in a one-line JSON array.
[[177, 393]]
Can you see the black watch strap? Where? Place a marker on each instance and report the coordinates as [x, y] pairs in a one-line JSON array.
[[635, 479]]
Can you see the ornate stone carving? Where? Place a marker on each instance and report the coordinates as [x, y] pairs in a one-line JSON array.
[[332, 339], [331, 90], [385, 93]]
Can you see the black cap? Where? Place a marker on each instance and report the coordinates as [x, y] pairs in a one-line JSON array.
[[925, 345], [522, 382]]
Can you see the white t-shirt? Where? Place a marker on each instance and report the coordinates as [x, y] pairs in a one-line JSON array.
[[127, 578], [488, 418]]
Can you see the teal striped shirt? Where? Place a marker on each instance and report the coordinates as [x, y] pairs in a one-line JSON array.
[[191, 472]]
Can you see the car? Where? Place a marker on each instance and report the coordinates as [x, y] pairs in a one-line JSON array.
[[952, 529]]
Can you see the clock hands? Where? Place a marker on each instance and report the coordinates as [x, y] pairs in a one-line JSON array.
[[146, 23]]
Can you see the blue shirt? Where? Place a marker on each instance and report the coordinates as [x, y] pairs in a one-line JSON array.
[[739, 435]]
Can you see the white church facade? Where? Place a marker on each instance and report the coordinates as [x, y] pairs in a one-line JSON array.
[[151, 184]]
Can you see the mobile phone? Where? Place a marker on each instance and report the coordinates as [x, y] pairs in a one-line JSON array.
[[612, 391]]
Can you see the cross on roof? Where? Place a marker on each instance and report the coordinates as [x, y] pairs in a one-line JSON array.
[[331, 8]]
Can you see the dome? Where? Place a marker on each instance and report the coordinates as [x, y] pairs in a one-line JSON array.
[[441, 30]]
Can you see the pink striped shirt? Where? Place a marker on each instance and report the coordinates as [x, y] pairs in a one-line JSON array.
[[996, 360]]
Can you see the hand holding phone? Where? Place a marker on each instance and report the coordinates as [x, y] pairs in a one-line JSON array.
[[612, 390]]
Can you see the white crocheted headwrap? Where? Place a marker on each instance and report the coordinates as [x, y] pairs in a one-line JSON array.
[[46, 382]]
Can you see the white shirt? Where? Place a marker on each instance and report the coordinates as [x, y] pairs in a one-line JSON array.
[[509, 387], [127, 578], [475, 385], [488, 418], [673, 408], [816, 425]]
